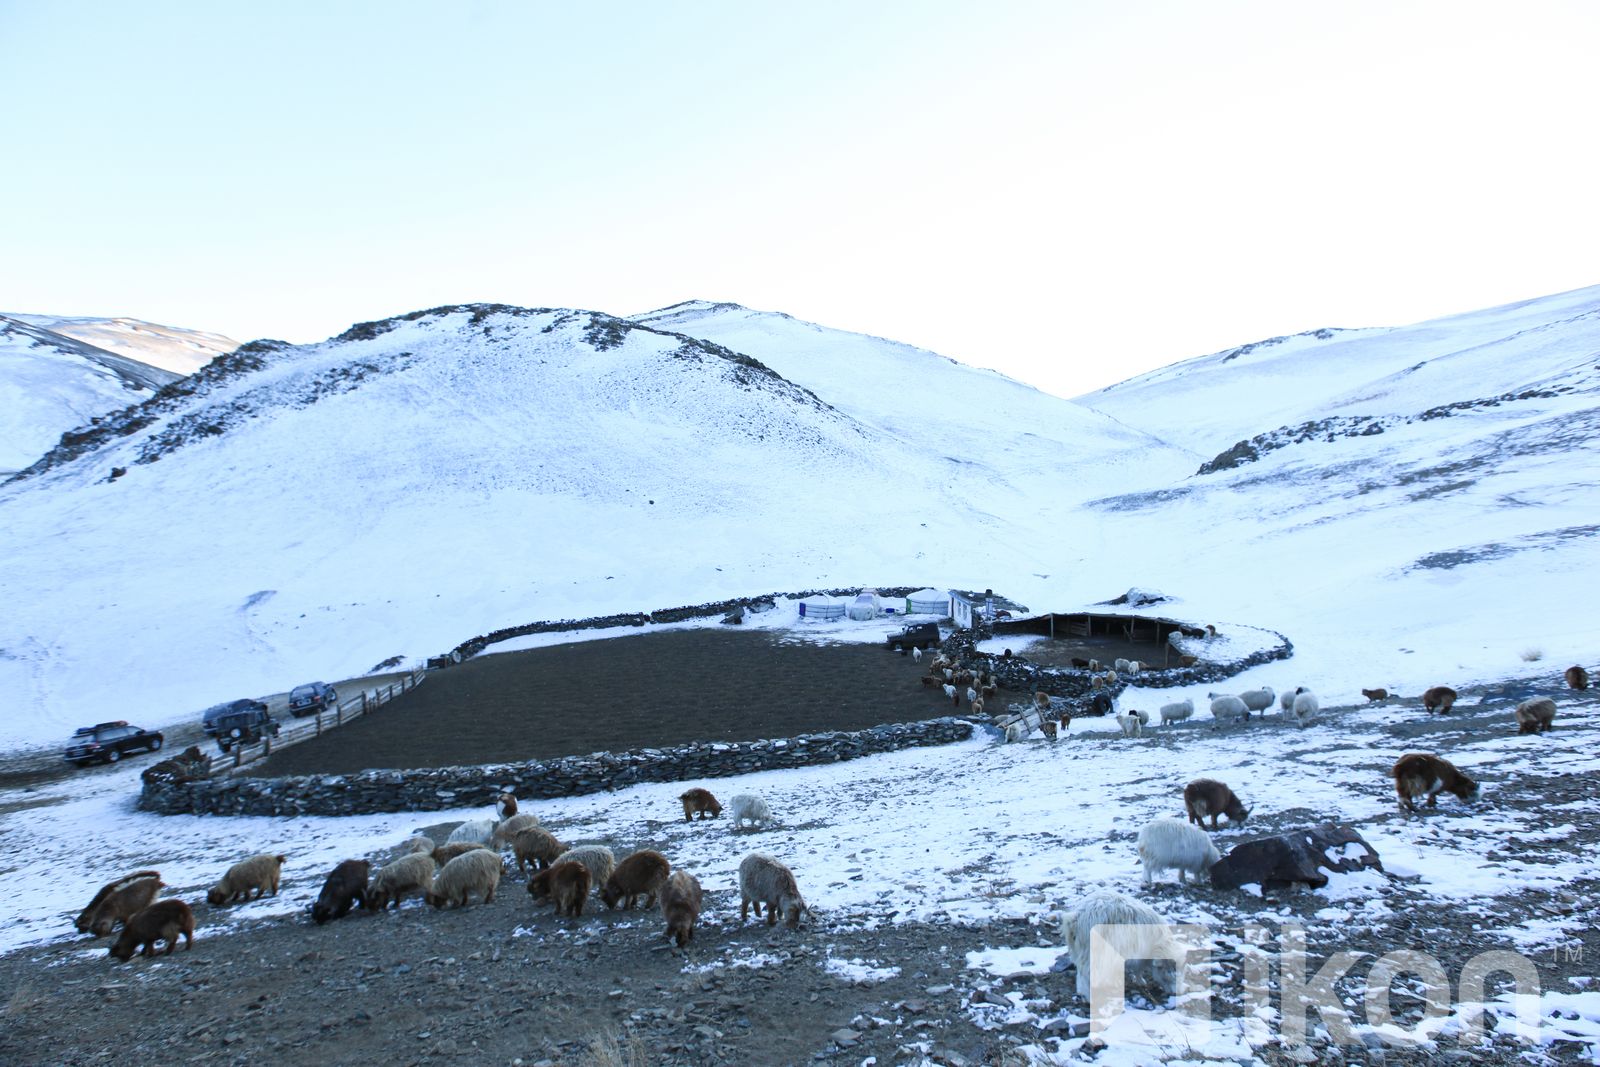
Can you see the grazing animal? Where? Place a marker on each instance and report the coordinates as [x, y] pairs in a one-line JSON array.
[[1134, 666], [1577, 677], [699, 802], [1132, 928], [259, 873], [345, 887], [1286, 700], [1120, 666], [751, 808], [1171, 713], [1535, 716], [681, 899], [1130, 723], [1228, 709], [1375, 695], [764, 881], [162, 921], [1418, 774], [977, 706], [1188, 661], [1094, 665], [931, 680], [641, 874], [538, 846], [1041, 701], [480, 831], [408, 874], [598, 860], [1017, 731], [1207, 796], [477, 871], [1211, 631], [1048, 728], [419, 843], [508, 828], [567, 883], [972, 694], [1440, 698], [116, 902], [951, 694], [1306, 707], [916, 654], [1165, 843], [445, 853], [989, 691], [1258, 699]]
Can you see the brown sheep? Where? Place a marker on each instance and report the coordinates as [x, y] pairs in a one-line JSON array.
[[162, 921], [1419, 774], [567, 883], [1375, 694], [766, 881], [1577, 677], [1207, 796], [408, 874], [259, 873], [1440, 698], [699, 802], [101, 913], [639, 875], [681, 899], [477, 871], [538, 846], [1535, 716]]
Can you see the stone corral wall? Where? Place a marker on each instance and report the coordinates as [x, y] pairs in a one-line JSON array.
[[440, 788]]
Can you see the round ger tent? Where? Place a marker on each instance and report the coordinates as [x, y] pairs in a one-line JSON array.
[[928, 602], [821, 608]]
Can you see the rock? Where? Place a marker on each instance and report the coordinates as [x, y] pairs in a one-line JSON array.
[[845, 1037], [1300, 1054]]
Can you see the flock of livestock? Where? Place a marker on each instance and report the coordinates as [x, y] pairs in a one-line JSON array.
[[470, 863]]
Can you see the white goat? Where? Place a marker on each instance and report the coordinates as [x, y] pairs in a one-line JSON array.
[[1130, 724], [474, 831], [1120, 666], [749, 806], [1171, 713], [1133, 930], [1165, 843]]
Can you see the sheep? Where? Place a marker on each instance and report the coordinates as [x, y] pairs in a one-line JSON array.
[[445, 853], [748, 806], [990, 691], [700, 802], [1171, 713], [508, 828], [1228, 709], [538, 846], [1577, 677], [1421, 773], [1096, 682], [162, 921], [681, 899], [475, 871], [1286, 700], [480, 831], [639, 875], [1135, 667], [1167, 843], [930, 680], [1535, 716], [116, 902], [1134, 930], [765, 881], [1120, 666], [1017, 731], [408, 874], [1306, 707], [596, 859], [1130, 724], [972, 694], [1207, 796], [1094, 664], [1441, 698], [419, 843], [260, 873], [1258, 699], [567, 883], [1375, 695], [346, 886]]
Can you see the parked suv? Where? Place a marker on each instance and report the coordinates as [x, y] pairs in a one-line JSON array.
[[311, 699], [244, 727], [109, 741], [209, 720], [916, 635]]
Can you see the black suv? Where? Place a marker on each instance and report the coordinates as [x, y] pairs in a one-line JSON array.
[[216, 711], [244, 727], [108, 741], [311, 699], [916, 635]]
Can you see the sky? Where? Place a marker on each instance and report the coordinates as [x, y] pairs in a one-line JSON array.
[[1071, 193]]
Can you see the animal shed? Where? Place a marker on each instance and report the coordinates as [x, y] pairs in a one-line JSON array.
[[1092, 629]]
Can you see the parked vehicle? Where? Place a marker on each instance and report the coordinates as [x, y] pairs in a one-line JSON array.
[[213, 713], [916, 635], [109, 742], [245, 727], [311, 699]]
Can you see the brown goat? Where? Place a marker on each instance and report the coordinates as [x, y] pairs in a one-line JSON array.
[[91, 915], [1440, 698], [1577, 677], [538, 846], [260, 873], [639, 875], [1041, 701], [506, 805], [1375, 694], [567, 883], [681, 899], [1048, 728], [700, 802], [1418, 774], [443, 854], [162, 921], [1535, 716], [1207, 796]]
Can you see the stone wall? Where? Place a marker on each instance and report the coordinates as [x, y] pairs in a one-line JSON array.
[[441, 788]]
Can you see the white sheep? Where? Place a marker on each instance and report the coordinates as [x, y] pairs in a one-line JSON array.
[[1286, 700], [1133, 930], [950, 693], [1305, 707], [1228, 709], [412, 873], [1134, 666], [1120, 666], [474, 831], [1165, 843], [1258, 699], [749, 806], [1130, 723], [477, 871], [972, 695], [1171, 713]]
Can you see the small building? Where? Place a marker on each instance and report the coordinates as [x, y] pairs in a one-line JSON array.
[[819, 608], [929, 602], [967, 606]]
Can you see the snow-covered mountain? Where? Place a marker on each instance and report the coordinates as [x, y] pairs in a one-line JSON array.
[[51, 383], [293, 512], [171, 348]]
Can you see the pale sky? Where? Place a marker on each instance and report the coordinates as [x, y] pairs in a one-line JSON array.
[[1070, 192]]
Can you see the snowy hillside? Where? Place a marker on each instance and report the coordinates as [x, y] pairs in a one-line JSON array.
[[170, 348], [51, 383]]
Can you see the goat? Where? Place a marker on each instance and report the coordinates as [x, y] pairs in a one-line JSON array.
[[1375, 695], [765, 881], [445, 853], [345, 887], [989, 691], [1134, 930], [1207, 796], [1441, 698], [480, 831], [953, 694], [748, 806], [510, 827], [1535, 716], [475, 871], [408, 874], [1419, 774], [1211, 631], [1135, 667], [162, 921], [1577, 677], [1120, 666], [1080, 663], [598, 860], [1306, 707], [1048, 728], [1171, 713], [538, 846], [699, 802], [419, 843], [972, 694], [1188, 661], [1165, 843], [505, 805], [1130, 723], [1228, 709], [641, 874], [121, 910], [260, 873], [977, 706], [931, 680], [567, 883], [916, 654], [681, 898]]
